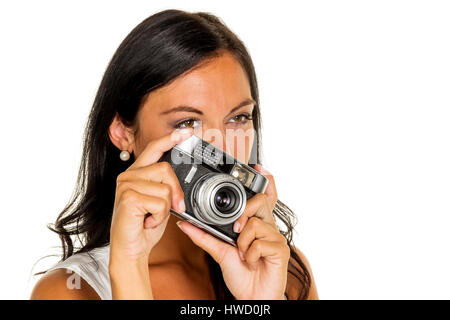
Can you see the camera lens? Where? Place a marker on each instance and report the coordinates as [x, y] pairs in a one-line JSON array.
[[218, 199], [225, 200], [222, 200]]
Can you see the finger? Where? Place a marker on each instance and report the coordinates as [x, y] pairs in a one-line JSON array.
[[266, 249], [256, 229], [271, 190], [257, 206], [156, 148], [151, 188], [161, 172], [152, 221], [134, 207], [216, 248]]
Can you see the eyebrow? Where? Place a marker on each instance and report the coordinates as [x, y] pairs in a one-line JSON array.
[[195, 110]]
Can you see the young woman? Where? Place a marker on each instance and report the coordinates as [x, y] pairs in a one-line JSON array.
[[174, 75]]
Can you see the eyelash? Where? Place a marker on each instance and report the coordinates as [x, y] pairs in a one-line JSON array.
[[246, 117]]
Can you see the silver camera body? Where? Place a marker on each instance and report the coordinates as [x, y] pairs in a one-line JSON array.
[[216, 186]]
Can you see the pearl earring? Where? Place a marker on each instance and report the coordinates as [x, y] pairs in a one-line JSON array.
[[124, 155]]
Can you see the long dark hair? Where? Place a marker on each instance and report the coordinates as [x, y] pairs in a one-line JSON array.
[[158, 50]]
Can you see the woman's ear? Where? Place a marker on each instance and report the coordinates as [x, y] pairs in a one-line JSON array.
[[121, 136]]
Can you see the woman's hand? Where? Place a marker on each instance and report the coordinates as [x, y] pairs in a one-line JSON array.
[[145, 192], [257, 269]]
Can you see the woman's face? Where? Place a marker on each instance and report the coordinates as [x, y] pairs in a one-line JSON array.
[[215, 99]]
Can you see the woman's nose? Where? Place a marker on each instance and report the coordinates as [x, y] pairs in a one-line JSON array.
[[216, 137]]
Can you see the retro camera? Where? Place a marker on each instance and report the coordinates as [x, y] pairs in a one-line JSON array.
[[216, 186]]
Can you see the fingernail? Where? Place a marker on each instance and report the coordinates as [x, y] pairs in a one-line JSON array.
[[179, 134], [181, 206], [236, 227], [185, 131], [241, 255], [178, 224]]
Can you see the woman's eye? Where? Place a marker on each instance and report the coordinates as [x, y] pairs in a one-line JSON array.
[[189, 123], [241, 118]]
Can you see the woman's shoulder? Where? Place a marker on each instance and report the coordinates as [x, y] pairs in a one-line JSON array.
[[81, 276], [53, 285]]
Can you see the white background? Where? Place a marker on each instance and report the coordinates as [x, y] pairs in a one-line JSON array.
[[355, 97]]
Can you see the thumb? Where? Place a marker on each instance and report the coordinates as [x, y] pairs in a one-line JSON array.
[[216, 248]]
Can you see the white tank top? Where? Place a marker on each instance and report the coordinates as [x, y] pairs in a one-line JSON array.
[[93, 269], [95, 273]]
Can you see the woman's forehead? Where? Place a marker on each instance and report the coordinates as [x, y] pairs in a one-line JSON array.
[[220, 82]]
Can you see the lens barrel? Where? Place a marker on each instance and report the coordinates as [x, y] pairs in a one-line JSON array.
[[218, 199]]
